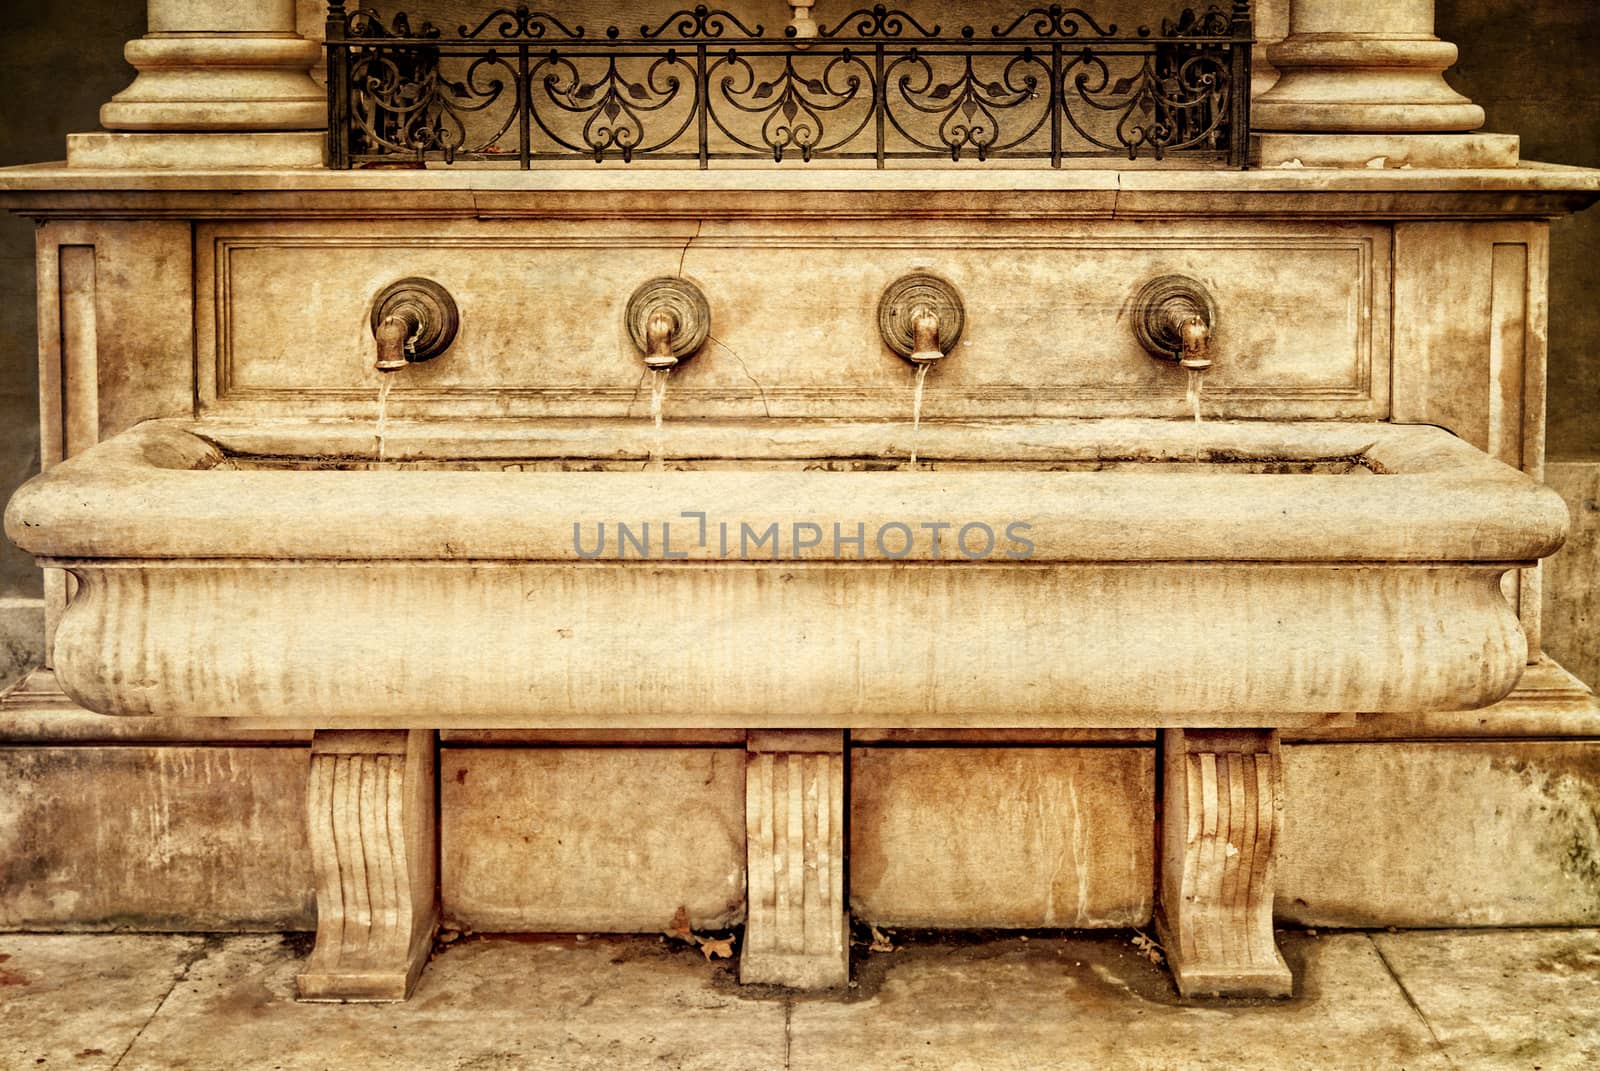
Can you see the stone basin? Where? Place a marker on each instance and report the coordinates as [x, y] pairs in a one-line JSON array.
[[1090, 573]]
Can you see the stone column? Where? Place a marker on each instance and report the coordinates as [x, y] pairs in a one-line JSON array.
[[374, 850], [1272, 26], [1367, 78], [221, 83], [797, 928], [1221, 814]]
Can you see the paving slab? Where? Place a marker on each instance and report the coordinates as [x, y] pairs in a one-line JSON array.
[[1096, 1004], [79, 1002], [513, 1003], [1505, 999]]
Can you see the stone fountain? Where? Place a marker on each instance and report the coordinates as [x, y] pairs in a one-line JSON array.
[[1348, 535]]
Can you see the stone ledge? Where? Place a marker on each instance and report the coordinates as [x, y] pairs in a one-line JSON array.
[[1384, 152], [263, 149]]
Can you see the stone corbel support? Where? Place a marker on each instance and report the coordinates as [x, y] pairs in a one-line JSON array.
[[797, 929], [374, 852], [1222, 812]]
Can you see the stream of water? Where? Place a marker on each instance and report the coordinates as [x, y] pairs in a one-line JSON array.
[[383, 412], [1196, 385], [658, 401], [916, 410]]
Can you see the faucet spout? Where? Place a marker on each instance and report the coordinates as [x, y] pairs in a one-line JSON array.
[[413, 320], [925, 336], [1195, 333], [396, 334], [660, 333]]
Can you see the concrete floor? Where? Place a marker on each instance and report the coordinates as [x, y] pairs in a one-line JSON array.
[[1410, 1000]]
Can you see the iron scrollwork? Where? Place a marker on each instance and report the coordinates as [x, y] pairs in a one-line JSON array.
[[878, 87]]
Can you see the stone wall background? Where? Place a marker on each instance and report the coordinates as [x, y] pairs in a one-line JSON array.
[[1528, 63]]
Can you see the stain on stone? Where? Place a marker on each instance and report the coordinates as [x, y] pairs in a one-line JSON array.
[[298, 943]]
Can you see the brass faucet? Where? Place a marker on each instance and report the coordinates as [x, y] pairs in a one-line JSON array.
[[412, 320], [668, 320], [925, 336], [920, 317], [660, 332], [396, 335], [1196, 335], [1173, 319]]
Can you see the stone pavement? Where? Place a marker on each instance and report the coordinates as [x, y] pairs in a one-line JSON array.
[[1458, 1000]]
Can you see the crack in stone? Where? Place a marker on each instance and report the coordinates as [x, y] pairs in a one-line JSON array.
[[788, 1034], [208, 944], [1415, 1007], [699, 225], [766, 406]]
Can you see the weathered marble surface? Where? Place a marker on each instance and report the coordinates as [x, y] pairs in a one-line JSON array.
[[1059, 632], [1572, 576], [1057, 1004], [591, 840], [164, 838], [1492, 1000], [21, 639], [1441, 834], [969, 838], [78, 1002], [1519, 998]]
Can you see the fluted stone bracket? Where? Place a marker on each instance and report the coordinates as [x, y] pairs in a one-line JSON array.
[[1222, 813], [375, 856], [797, 931]]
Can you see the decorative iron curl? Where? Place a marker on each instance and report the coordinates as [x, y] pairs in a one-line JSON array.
[[1057, 21], [701, 22], [521, 21], [969, 106], [795, 108], [1180, 110], [879, 21], [1212, 22], [703, 86], [614, 107]]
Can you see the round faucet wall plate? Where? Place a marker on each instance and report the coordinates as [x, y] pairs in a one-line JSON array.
[[684, 301], [426, 302], [897, 312], [1160, 308]]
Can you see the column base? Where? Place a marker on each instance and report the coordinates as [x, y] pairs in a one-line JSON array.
[[115, 149], [1363, 82], [220, 81], [1385, 151]]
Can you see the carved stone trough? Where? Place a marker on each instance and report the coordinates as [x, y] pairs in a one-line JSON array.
[[1222, 578]]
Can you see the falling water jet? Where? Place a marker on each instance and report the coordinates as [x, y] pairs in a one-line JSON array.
[[658, 400], [916, 410], [1196, 384], [383, 413]]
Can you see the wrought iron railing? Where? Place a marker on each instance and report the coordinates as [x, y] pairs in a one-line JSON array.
[[879, 87]]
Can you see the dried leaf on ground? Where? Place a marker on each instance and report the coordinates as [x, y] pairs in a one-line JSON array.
[[712, 947], [880, 941], [1148, 948]]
